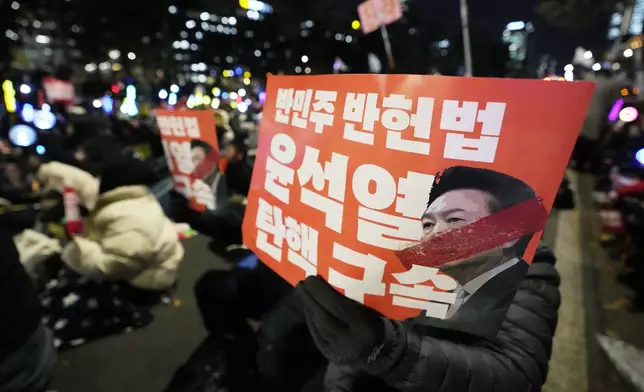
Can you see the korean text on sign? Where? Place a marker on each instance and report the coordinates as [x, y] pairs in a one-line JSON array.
[[346, 163], [407, 122], [179, 129]]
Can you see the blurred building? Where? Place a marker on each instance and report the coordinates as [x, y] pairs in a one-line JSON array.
[[615, 25], [518, 36], [625, 35], [32, 37]]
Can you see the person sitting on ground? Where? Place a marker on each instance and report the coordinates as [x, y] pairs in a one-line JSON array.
[[127, 258], [225, 199], [127, 235], [238, 171], [225, 222], [27, 354]]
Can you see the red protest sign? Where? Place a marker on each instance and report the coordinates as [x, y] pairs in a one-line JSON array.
[[369, 18], [375, 13], [190, 143], [59, 91], [411, 194], [390, 11]]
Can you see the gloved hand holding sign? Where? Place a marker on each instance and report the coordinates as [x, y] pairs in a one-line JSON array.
[[345, 331]]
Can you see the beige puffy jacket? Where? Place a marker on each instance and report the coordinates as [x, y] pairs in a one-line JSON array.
[[56, 176], [129, 238]]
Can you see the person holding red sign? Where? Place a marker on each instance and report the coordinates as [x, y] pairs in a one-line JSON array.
[[497, 348], [367, 352], [223, 222]]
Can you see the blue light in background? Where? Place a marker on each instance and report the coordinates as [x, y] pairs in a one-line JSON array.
[[129, 105], [108, 104], [239, 71], [40, 149], [172, 100], [44, 119], [27, 112], [640, 156], [22, 135]]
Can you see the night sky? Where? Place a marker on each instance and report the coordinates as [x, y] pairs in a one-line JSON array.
[[493, 15]]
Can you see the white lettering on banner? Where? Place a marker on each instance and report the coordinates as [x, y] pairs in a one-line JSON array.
[[179, 158], [269, 220], [172, 126], [283, 105], [323, 109], [414, 193], [203, 194], [301, 105], [363, 109], [182, 156], [385, 230], [168, 154], [191, 124], [182, 185], [278, 175], [335, 173], [302, 240], [372, 281], [463, 118], [435, 303], [396, 119], [302, 246]]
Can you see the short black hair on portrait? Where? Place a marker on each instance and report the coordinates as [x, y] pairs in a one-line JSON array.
[[505, 191], [200, 143]]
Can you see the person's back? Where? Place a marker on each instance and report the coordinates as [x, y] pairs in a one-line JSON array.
[[27, 353]]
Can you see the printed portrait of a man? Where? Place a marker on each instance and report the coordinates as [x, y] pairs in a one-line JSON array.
[[487, 280], [208, 185]]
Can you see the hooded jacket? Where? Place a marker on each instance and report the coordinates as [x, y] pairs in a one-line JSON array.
[[434, 360], [128, 238], [19, 306], [56, 176]]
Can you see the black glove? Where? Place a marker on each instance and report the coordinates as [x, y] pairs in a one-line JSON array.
[[345, 331]]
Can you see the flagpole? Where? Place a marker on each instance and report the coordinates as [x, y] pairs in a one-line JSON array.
[[467, 48], [385, 39]]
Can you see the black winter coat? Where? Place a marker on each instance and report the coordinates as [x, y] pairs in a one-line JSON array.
[[516, 360], [19, 305]]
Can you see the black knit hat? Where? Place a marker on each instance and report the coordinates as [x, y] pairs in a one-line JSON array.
[[101, 148], [124, 172], [240, 145], [505, 190]]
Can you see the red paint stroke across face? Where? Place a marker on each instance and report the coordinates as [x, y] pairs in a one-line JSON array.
[[207, 165], [485, 234]]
